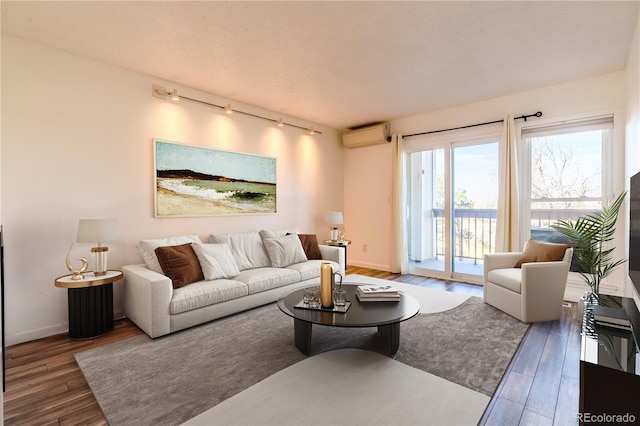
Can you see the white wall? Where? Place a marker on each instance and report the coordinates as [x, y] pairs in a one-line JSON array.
[[632, 136], [367, 206], [1, 299], [77, 143], [368, 170], [633, 106]]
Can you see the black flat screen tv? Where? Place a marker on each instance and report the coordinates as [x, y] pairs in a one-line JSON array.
[[634, 231]]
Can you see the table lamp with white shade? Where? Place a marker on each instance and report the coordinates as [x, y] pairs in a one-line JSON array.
[[98, 231], [333, 219]]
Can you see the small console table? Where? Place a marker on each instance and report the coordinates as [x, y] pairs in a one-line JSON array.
[[90, 303], [339, 243], [609, 366]]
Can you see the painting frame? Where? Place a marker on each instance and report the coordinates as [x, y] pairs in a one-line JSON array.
[[199, 181]]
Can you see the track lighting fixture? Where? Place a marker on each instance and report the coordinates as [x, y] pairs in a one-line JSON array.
[[162, 93]]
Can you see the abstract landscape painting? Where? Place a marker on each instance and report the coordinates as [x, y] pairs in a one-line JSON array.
[[197, 181]]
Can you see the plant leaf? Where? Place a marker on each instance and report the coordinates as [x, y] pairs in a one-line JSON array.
[[588, 236]]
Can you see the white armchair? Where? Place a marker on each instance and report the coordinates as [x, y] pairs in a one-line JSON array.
[[531, 293]]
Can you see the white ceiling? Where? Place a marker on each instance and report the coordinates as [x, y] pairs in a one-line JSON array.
[[342, 64]]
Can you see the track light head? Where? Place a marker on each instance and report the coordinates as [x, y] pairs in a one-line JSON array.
[[280, 123], [311, 131], [164, 93], [228, 109]]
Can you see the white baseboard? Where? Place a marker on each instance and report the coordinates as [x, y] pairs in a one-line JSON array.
[[377, 267], [40, 333], [576, 287], [29, 335]]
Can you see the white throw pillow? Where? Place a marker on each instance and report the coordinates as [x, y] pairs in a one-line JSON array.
[[285, 250], [246, 247], [147, 248], [273, 233], [216, 261]]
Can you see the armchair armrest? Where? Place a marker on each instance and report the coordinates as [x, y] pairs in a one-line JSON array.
[[335, 254], [543, 285], [147, 296], [547, 277]]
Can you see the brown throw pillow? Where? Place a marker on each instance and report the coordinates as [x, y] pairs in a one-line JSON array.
[[537, 251], [310, 246], [180, 263]]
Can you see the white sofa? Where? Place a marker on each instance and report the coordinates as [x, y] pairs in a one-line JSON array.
[[154, 305]]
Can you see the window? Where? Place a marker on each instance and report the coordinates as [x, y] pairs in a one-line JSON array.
[[566, 174]]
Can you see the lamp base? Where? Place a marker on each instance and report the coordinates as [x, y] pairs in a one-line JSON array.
[[99, 257]]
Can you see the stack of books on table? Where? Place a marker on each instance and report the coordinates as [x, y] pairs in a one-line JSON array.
[[377, 293], [607, 316]]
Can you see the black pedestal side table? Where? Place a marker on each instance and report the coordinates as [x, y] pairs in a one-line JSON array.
[[90, 302]]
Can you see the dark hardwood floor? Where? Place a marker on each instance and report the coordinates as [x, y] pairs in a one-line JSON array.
[[541, 385], [44, 384], [46, 387]]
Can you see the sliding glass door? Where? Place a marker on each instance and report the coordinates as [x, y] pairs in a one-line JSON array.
[[427, 226], [452, 193], [475, 204]]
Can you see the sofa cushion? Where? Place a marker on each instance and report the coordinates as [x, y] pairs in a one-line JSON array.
[[509, 278], [285, 250], [205, 293], [216, 261], [147, 248], [261, 279], [311, 268], [310, 246], [247, 249], [179, 263], [537, 251]]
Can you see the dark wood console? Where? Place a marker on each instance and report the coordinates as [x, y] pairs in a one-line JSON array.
[[610, 367]]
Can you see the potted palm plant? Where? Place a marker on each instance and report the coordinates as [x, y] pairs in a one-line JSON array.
[[588, 236]]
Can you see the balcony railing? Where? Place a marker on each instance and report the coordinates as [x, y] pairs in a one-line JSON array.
[[474, 230]]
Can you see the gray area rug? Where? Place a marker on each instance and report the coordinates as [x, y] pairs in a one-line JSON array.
[[171, 379]]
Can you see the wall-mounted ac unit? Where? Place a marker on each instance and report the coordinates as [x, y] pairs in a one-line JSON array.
[[365, 136]]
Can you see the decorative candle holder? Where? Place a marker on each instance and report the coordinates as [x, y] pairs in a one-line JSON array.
[[326, 285]]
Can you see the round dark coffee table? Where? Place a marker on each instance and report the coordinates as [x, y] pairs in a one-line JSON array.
[[387, 316]]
